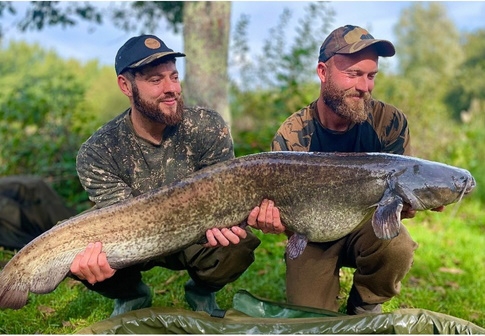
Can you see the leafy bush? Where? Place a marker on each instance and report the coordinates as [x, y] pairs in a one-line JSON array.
[[47, 109]]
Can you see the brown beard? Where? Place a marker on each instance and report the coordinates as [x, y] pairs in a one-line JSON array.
[[356, 112], [153, 112]]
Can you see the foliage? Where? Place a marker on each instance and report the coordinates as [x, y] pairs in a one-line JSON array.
[[281, 63], [428, 118], [467, 90], [429, 51], [129, 16], [414, 90], [280, 81], [145, 15], [467, 150], [257, 115], [50, 13], [35, 109], [427, 39], [45, 115], [6, 7]]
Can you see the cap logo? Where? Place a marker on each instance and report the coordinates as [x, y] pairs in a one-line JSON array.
[[152, 43]]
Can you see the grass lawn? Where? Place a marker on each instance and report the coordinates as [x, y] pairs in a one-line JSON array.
[[447, 277]]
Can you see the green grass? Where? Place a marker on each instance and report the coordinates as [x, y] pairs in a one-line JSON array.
[[447, 277]]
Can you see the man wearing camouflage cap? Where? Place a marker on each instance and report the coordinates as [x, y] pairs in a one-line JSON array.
[[156, 141], [345, 118]]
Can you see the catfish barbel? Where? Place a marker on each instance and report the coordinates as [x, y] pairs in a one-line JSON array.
[[321, 197]]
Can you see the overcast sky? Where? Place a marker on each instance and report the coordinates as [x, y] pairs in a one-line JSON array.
[[379, 17]]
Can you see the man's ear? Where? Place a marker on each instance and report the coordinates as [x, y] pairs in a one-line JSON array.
[[125, 86], [322, 71]]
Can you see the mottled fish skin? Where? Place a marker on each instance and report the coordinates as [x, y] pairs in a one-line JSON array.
[[321, 196]]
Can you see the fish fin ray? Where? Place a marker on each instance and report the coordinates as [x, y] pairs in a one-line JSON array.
[[386, 220], [296, 245], [13, 292]]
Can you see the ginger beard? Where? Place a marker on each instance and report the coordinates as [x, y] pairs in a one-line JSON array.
[[166, 115], [342, 103]]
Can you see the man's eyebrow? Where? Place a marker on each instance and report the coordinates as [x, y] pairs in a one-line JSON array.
[[359, 71]]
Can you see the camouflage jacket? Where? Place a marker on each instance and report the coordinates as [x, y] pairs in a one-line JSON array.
[[385, 130], [115, 164]]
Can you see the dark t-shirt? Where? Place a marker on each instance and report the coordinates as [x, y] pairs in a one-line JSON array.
[[385, 130], [360, 138]]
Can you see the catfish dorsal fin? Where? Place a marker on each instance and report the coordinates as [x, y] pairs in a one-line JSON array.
[[386, 220]]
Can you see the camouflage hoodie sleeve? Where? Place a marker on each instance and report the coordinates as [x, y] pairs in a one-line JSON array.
[[391, 125], [296, 131]]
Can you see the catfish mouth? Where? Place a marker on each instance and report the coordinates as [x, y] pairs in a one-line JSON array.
[[466, 186], [470, 185]]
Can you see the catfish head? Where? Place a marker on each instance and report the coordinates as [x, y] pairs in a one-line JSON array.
[[428, 185], [423, 185]]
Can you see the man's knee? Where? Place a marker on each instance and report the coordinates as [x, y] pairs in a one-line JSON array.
[[222, 265], [401, 249]]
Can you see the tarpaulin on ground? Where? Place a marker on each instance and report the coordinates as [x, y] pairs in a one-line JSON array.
[[28, 208], [252, 315]]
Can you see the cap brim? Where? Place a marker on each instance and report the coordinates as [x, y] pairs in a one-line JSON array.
[[154, 57], [384, 48]]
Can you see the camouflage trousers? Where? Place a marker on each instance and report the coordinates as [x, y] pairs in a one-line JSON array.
[[313, 279]]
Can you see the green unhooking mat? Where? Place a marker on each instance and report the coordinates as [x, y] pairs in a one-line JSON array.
[[251, 315]]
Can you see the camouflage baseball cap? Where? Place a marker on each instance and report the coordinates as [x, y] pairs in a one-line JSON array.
[[351, 39], [141, 50]]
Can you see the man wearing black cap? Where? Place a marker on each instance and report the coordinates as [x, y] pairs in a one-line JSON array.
[[345, 118], [156, 141]]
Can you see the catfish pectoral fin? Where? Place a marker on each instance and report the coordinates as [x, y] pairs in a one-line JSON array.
[[386, 220], [296, 245]]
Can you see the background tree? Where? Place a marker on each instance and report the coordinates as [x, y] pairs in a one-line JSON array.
[[429, 53], [467, 94], [426, 38], [41, 119], [206, 42]]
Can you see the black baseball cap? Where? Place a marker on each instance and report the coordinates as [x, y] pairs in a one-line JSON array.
[[141, 50], [351, 39]]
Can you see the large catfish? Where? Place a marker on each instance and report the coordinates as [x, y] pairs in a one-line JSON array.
[[321, 196]]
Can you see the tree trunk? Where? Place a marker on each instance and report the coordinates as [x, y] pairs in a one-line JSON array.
[[206, 37]]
